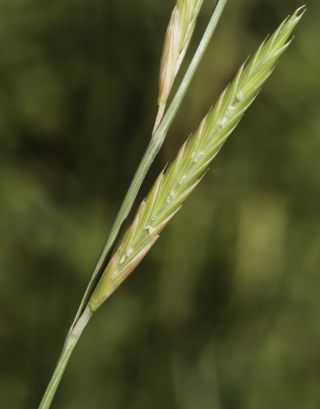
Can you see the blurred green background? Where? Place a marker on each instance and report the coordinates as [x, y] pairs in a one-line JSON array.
[[225, 311]]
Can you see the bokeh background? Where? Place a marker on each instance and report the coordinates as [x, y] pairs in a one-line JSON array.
[[225, 311]]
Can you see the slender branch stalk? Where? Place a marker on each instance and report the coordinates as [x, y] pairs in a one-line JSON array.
[[58, 372], [69, 345]]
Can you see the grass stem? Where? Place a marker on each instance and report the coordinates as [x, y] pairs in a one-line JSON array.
[[69, 345]]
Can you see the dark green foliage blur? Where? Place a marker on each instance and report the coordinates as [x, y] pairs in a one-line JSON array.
[[225, 311]]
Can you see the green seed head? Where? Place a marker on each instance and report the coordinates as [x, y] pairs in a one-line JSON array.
[[173, 187]]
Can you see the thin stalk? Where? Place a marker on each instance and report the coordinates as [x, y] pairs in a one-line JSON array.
[[58, 372], [69, 345], [153, 148]]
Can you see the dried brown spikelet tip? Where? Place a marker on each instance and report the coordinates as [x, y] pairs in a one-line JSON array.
[[177, 40]]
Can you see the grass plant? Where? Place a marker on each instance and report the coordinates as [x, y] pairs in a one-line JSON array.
[[175, 184]]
